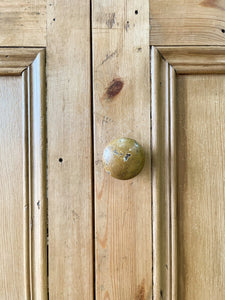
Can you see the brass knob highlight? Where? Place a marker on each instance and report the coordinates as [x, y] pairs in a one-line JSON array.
[[123, 158]]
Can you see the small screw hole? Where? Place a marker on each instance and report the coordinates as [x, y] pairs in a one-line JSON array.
[[54, 19], [136, 12], [60, 160], [223, 30]]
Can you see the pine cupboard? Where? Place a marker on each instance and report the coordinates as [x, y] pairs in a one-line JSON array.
[[74, 76]]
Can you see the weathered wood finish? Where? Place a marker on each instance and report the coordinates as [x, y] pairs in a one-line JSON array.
[[121, 80], [192, 22], [13, 280], [200, 60], [14, 61], [23, 23], [163, 178], [201, 206], [38, 173], [185, 226], [69, 150], [122, 250], [23, 206]]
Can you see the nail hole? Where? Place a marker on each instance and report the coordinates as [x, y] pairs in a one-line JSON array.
[[6, 56], [223, 30], [60, 160], [136, 12], [54, 19]]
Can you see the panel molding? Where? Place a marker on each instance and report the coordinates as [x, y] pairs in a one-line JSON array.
[[32, 64], [13, 61], [163, 178], [195, 60], [166, 62]]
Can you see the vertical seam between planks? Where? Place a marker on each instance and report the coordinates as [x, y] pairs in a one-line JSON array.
[[92, 151], [151, 166]]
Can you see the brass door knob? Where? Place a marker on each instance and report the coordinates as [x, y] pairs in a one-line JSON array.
[[123, 158]]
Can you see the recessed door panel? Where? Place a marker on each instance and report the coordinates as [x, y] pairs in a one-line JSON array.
[[201, 179], [12, 205]]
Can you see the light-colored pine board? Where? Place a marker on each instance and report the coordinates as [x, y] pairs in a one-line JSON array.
[[38, 175], [191, 22], [23, 23], [190, 60], [69, 138], [23, 185], [14, 57], [121, 80], [13, 219], [12, 71], [164, 187], [201, 217], [13, 61]]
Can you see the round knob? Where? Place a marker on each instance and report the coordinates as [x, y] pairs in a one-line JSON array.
[[123, 158]]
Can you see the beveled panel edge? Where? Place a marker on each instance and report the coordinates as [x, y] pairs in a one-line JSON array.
[[26, 193], [164, 185], [195, 59], [35, 186], [13, 61]]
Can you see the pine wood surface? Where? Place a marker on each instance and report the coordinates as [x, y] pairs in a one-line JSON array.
[[69, 138], [192, 22], [201, 208], [121, 81], [23, 23], [12, 275], [107, 46]]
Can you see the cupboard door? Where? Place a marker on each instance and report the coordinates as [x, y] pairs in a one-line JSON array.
[[188, 172], [23, 203], [63, 29]]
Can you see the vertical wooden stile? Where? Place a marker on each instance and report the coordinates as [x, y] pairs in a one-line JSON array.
[[121, 82], [69, 150]]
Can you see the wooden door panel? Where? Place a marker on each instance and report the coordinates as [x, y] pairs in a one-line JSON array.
[[13, 275], [188, 174], [23, 203], [201, 173]]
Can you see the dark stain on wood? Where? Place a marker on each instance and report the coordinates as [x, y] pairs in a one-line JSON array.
[[141, 291], [114, 88], [110, 20], [108, 56], [127, 26], [219, 4]]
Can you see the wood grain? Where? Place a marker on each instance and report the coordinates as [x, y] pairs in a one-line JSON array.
[[164, 186], [69, 150], [12, 221], [121, 80], [13, 61], [190, 60], [23, 167], [201, 217], [23, 23], [38, 176], [191, 22], [14, 57]]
